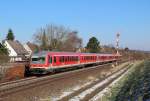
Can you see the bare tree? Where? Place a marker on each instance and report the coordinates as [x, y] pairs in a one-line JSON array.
[[59, 38], [40, 38], [73, 42]]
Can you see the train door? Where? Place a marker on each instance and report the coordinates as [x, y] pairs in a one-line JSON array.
[[54, 60], [50, 61]]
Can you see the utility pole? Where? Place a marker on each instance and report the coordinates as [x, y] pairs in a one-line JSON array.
[[117, 42]]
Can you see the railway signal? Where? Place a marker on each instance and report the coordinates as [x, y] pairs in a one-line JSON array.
[[117, 42]]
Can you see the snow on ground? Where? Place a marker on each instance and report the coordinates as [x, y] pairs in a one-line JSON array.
[[72, 90], [90, 90], [107, 89]]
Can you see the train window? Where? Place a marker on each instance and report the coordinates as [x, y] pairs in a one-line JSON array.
[[38, 60], [54, 59], [50, 59], [65, 59], [60, 59], [69, 58], [72, 58], [77, 58]]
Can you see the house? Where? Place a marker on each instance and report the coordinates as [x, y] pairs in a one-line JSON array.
[[81, 50], [31, 48], [16, 50]]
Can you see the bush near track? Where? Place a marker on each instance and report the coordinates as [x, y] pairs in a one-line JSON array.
[[135, 86]]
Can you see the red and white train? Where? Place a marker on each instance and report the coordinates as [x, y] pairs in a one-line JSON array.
[[45, 62]]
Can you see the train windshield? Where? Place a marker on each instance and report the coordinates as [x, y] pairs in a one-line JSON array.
[[38, 60]]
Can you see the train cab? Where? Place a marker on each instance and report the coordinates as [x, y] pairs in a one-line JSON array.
[[38, 64]]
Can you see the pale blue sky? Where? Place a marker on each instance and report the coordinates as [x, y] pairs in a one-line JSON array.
[[99, 18]]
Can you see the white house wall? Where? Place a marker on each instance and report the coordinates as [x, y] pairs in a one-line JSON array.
[[11, 51], [28, 49]]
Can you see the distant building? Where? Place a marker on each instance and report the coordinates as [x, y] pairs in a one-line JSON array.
[[81, 50], [31, 48], [16, 50]]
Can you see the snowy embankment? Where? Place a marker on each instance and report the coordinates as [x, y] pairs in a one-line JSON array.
[[106, 93], [82, 95]]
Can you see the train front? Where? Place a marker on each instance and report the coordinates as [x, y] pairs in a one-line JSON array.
[[38, 64]]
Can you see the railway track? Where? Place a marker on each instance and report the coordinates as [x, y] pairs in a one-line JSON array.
[[19, 85], [16, 81], [89, 91]]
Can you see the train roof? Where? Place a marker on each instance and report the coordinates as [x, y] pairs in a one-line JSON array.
[[44, 53]]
